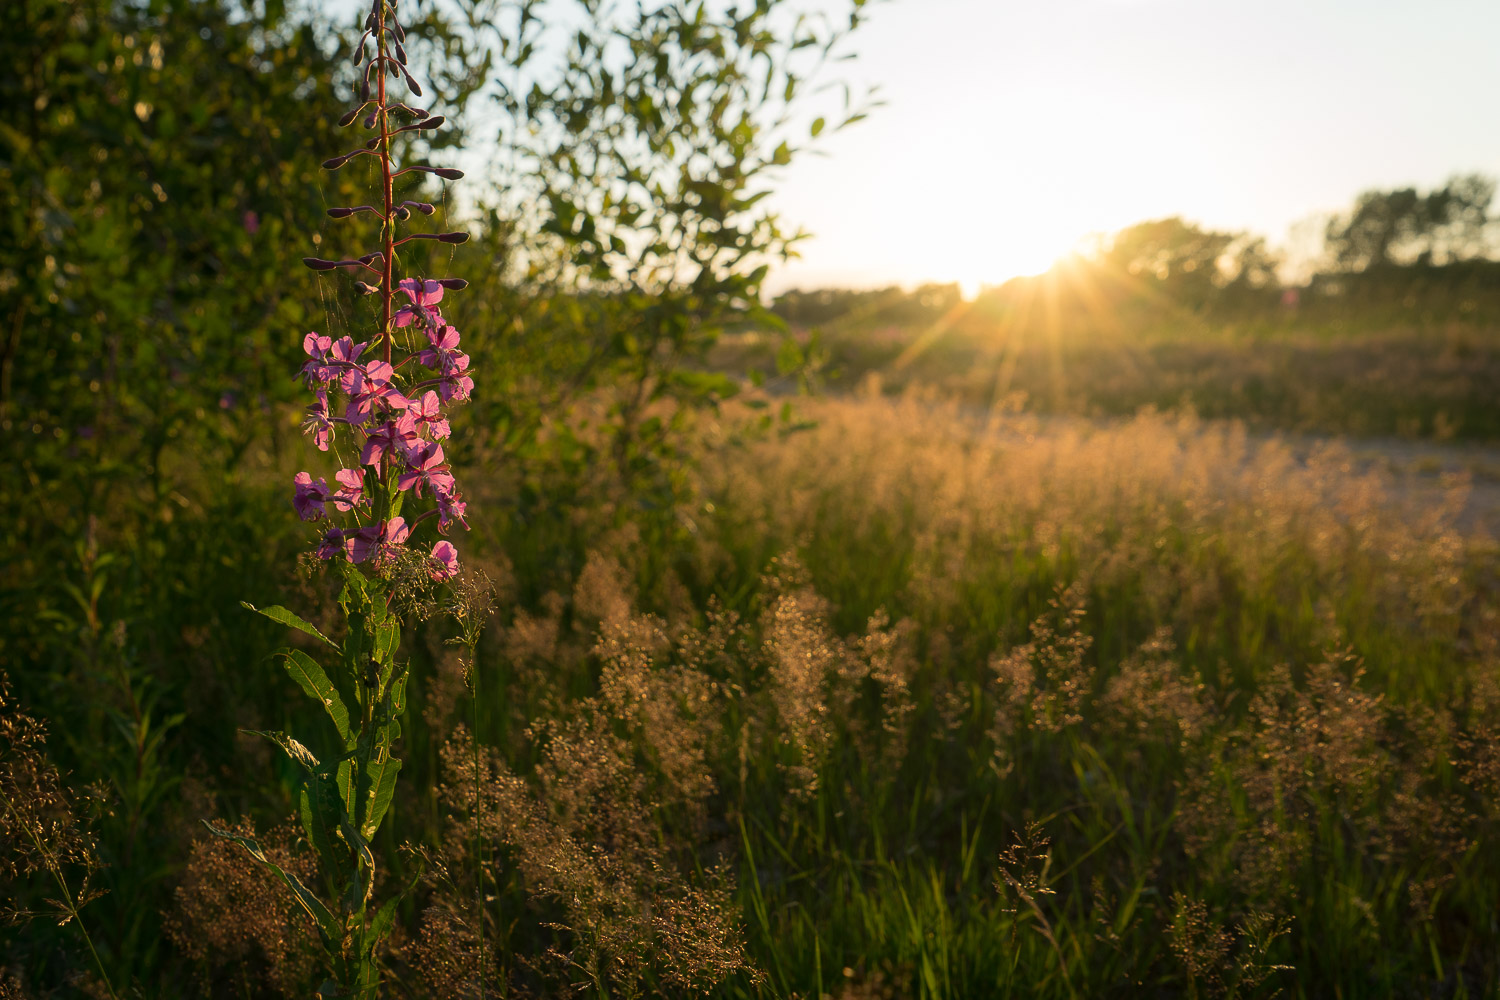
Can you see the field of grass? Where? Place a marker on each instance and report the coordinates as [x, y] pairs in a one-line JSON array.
[[908, 703]]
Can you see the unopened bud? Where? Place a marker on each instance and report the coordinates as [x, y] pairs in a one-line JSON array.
[[446, 173], [319, 264], [400, 54], [454, 238], [420, 206], [402, 213], [349, 116], [364, 288], [455, 284], [436, 121], [333, 163]]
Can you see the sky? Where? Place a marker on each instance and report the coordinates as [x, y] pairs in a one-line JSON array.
[[1012, 130]]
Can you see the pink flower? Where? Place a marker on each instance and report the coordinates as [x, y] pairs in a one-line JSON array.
[[444, 341], [428, 412], [352, 495], [317, 371], [309, 496], [332, 543], [368, 385], [424, 464], [376, 541], [251, 223], [444, 561], [398, 436], [457, 387], [450, 505], [423, 295], [318, 423], [346, 351]]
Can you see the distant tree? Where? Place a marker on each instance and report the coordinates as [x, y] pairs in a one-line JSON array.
[[1405, 226], [1189, 264]]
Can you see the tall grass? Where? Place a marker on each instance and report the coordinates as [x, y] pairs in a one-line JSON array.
[[909, 703]]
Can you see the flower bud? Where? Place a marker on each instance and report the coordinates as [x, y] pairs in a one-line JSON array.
[[436, 121], [350, 116], [420, 206], [319, 264], [446, 173], [334, 162], [365, 288], [455, 284], [411, 82], [402, 213]]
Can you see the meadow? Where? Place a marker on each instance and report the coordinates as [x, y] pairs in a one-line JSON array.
[[914, 704], [1115, 633]]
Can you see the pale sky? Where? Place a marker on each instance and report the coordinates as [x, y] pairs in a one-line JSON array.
[[1013, 129]]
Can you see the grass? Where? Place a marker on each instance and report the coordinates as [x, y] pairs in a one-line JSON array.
[[918, 701]]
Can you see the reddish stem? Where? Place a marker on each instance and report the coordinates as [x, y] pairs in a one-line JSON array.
[[387, 288]]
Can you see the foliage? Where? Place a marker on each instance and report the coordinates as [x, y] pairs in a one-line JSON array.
[[1403, 226]]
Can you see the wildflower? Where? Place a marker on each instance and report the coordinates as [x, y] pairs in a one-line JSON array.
[[428, 412], [376, 541], [443, 356], [459, 386], [367, 386], [352, 495], [317, 422], [423, 295], [425, 463], [318, 371], [398, 436], [444, 560], [309, 496], [450, 506], [331, 544]]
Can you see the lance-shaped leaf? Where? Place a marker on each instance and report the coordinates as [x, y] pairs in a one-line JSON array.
[[279, 614], [320, 811], [313, 680], [328, 928], [377, 788]]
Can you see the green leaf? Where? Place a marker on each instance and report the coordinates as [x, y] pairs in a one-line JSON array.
[[314, 682], [817, 126], [387, 638], [321, 814], [279, 614], [327, 927], [379, 787]]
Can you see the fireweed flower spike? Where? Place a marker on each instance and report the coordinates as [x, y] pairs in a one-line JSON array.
[[391, 405]]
